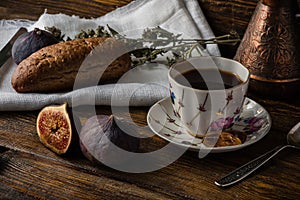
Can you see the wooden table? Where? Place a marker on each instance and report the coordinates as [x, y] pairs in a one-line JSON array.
[[28, 170]]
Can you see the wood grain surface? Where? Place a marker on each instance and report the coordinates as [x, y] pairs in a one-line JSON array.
[[28, 170]]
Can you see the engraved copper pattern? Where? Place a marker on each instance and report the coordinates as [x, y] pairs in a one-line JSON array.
[[268, 48]]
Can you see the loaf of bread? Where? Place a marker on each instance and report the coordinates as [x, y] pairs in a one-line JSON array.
[[83, 62]]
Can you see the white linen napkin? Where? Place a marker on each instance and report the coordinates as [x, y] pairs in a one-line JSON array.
[[142, 86]]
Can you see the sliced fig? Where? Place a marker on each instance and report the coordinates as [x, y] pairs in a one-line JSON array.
[[54, 128], [30, 42]]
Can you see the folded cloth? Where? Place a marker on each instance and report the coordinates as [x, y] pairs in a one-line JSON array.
[[141, 86]]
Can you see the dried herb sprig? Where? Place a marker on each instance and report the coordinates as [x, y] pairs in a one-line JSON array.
[[156, 42], [57, 33]]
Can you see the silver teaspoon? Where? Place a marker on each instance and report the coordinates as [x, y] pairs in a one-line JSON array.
[[293, 141]]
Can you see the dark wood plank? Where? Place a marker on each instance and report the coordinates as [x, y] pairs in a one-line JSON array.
[[189, 177], [38, 177], [10, 9]]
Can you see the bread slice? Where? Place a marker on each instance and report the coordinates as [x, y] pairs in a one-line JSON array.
[[88, 61]]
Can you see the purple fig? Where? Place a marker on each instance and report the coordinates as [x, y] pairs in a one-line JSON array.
[[108, 139], [30, 42]]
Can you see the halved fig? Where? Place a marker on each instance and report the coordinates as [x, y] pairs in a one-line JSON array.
[[54, 128]]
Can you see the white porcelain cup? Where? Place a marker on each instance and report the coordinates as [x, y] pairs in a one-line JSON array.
[[207, 110]]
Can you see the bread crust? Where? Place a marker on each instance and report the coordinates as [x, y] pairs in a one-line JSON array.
[[88, 61]]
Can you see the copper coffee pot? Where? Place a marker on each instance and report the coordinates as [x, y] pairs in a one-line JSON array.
[[270, 49]]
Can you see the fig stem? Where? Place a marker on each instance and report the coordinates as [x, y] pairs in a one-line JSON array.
[[37, 31]]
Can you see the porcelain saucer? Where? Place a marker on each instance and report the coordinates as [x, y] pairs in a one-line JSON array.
[[255, 121]]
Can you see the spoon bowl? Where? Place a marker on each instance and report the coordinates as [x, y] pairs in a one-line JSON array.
[[293, 137], [293, 141]]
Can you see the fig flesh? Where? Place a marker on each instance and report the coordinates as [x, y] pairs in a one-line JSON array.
[[54, 128], [30, 42], [102, 136]]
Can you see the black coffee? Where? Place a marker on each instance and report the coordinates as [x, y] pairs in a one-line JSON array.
[[208, 79]]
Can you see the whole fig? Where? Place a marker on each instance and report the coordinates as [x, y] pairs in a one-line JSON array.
[[30, 42], [105, 138], [55, 129]]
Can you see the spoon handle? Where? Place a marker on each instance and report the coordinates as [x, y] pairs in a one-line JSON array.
[[243, 171]]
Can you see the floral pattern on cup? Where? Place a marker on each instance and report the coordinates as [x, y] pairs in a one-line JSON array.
[[196, 108], [164, 123], [248, 125], [228, 99], [253, 124], [221, 123], [180, 102], [200, 109], [172, 95]]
